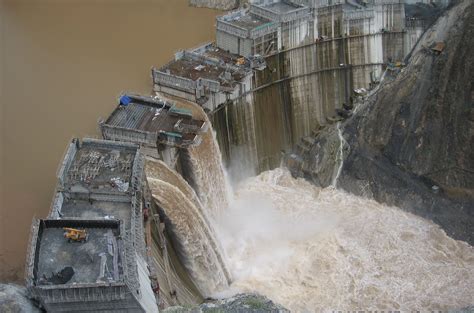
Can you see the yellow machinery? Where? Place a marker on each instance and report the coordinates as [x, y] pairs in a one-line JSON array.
[[399, 64], [240, 61], [73, 234]]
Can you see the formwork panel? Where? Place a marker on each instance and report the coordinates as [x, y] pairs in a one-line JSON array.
[[227, 42]]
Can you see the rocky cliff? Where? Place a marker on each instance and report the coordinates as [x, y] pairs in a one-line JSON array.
[[13, 299], [410, 142], [215, 4], [250, 303]]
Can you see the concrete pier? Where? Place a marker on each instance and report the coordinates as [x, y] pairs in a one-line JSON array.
[[99, 190], [158, 126]]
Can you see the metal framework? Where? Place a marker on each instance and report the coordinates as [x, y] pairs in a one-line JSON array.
[[296, 13]]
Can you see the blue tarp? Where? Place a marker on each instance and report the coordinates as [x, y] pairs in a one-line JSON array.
[[125, 100]]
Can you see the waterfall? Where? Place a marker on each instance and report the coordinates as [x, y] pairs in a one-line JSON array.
[[207, 170], [340, 155], [159, 170], [195, 239], [202, 165]]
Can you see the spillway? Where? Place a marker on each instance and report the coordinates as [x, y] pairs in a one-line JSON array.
[[189, 225], [205, 164]]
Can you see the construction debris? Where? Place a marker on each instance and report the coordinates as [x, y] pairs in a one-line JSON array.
[[438, 47], [58, 278]]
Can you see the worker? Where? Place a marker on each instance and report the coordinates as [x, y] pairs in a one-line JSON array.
[[146, 214], [156, 288]]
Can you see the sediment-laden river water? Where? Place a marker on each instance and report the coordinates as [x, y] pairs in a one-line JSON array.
[[63, 65], [314, 249], [310, 249]]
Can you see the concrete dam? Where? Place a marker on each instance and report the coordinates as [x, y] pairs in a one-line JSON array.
[[316, 54], [163, 224]]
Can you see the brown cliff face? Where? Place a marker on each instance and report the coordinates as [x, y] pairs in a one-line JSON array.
[[410, 143], [215, 4]]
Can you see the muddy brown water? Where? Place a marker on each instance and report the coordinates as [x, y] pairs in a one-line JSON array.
[[63, 63]]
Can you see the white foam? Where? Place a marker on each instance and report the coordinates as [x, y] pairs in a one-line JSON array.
[[314, 249]]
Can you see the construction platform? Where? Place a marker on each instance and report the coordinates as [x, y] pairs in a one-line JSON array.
[[87, 209], [150, 121], [97, 260], [102, 179], [100, 167], [282, 11], [195, 68], [242, 20], [207, 75], [99, 193], [99, 274]]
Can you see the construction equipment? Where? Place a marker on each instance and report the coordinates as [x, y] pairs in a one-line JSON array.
[[241, 61], [438, 47], [77, 235], [399, 64]]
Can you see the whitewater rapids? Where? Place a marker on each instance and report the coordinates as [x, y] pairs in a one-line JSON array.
[[314, 249]]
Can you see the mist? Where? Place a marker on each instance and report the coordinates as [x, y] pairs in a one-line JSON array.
[[314, 249]]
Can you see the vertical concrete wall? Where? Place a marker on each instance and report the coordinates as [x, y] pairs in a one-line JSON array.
[[234, 44], [254, 129], [321, 62], [305, 86], [295, 33], [246, 47], [227, 42]]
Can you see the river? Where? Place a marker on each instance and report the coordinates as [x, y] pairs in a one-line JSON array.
[[325, 250], [63, 63]]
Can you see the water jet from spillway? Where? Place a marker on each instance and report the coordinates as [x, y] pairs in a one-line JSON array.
[[189, 225], [208, 172], [340, 156], [202, 166]]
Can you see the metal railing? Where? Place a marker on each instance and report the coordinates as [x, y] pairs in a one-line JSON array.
[[31, 253], [66, 163], [128, 135], [295, 14], [358, 14], [166, 79], [56, 205]]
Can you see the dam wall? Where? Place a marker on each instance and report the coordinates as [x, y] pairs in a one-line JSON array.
[[281, 69], [303, 85]]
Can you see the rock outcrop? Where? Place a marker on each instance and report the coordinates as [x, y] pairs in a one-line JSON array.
[[215, 4], [410, 143], [13, 299], [251, 303]]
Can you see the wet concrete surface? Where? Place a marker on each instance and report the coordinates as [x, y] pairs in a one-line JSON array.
[[57, 253]]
